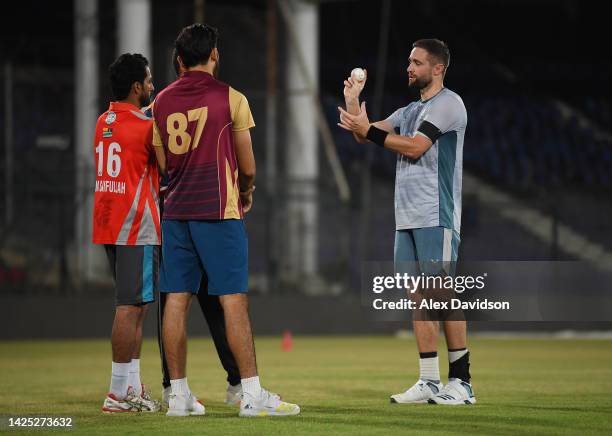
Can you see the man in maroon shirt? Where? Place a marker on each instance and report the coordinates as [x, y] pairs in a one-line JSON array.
[[202, 140]]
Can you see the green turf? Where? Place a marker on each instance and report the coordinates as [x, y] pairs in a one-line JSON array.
[[536, 386]]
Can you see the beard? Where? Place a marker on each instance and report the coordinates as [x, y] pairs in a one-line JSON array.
[[216, 70], [420, 83], [145, 100]]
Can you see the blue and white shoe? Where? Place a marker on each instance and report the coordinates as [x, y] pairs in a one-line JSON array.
[[455, 392], [420, 393]]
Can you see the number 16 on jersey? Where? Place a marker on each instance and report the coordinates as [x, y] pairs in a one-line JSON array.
[[113, 159]]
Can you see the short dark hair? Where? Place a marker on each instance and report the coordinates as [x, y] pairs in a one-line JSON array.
[[195, 43], [436, 48], [127, 69]]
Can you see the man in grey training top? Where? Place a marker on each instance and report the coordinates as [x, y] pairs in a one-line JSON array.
[[427, 203]]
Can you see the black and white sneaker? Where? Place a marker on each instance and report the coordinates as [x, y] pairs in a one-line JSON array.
[[420, 393], [455, 392]]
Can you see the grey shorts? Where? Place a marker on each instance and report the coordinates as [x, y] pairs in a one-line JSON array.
[[135, 269]]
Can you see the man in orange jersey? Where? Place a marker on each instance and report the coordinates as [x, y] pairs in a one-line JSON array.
[[126, 221]]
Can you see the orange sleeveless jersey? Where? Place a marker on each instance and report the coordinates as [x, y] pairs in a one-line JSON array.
[[126, 208]]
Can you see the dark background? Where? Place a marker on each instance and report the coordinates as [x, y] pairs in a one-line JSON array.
[[533, 75]]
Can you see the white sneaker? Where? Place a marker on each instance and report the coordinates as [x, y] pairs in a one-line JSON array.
[[144, 401], [268, 404], [422, 391], [166, 396], [455, 392], [233, 395], [113, 405], [184, 405]]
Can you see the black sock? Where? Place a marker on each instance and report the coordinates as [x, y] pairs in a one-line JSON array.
[[460, 368]]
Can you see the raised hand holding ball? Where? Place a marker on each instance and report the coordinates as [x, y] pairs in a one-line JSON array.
[[358, 74], [354, 84]]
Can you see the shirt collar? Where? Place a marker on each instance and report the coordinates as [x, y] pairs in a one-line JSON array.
[[197, 74], [121, 106], [433, 96]]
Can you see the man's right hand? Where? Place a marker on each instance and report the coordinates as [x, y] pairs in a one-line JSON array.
[[353, 88]]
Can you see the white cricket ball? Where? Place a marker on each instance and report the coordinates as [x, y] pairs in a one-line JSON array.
[[358, 74]]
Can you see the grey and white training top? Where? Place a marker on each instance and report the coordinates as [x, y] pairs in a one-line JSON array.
[[428, 190]]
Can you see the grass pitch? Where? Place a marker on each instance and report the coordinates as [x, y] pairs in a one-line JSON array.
[[535, 386]]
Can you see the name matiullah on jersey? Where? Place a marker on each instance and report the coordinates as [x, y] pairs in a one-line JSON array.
[[126, 208]]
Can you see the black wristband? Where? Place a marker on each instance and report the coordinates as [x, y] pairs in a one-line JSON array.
[[377, 136]]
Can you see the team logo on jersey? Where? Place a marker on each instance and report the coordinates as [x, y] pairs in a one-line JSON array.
[[111, 117], [107, 132]]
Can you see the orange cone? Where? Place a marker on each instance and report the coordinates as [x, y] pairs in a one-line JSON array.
[[287, 343]]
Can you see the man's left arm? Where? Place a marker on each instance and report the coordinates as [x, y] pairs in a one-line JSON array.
[[442, 117], [412, 147], [242, 121]]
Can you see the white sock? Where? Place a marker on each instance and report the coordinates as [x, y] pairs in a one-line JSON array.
[[251, 386], [119, 380], [134, 376], [429, 367], [455, 355], [180, 386]]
